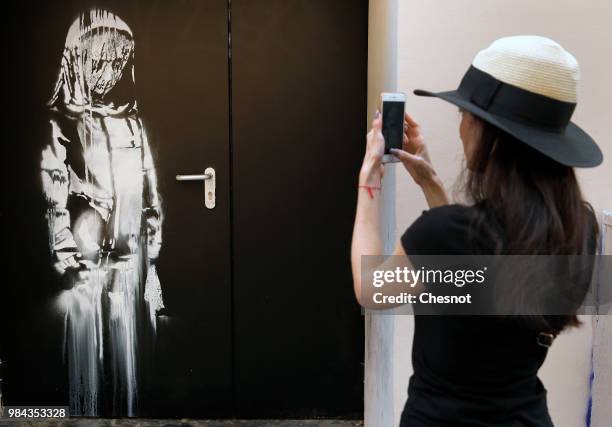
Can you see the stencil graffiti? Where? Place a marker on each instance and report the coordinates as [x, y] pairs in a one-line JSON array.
[[104, 215]]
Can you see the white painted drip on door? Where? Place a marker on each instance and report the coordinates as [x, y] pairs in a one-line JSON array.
[[83, 344]]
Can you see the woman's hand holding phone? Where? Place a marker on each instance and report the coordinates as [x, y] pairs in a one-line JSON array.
[[414, 155], [415, 158]]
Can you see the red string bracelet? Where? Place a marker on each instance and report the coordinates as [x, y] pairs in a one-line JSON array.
[[370, 189]]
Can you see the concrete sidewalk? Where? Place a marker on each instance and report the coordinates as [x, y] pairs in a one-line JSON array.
[[87, 422]]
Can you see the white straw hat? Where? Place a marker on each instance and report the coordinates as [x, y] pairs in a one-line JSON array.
[[527, 86]]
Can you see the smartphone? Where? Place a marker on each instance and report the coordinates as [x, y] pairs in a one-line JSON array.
[[393, 107]]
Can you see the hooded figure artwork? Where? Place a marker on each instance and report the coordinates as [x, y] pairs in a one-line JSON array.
[[104, 215]]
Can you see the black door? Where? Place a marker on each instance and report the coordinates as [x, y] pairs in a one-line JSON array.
[[112, 102], [298, 120], [109, 101], [183, 82]]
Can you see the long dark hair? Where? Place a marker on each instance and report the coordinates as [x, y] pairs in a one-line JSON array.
[[528, 204]]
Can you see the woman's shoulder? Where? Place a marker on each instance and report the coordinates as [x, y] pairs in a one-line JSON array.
[[447, 218], [453, 212], [441, 230]]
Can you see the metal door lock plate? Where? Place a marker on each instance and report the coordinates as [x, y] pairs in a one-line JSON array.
[[210, 188], [210, 183]]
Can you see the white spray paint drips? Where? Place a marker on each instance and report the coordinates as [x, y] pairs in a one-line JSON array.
[[122, 320], [83, 344]]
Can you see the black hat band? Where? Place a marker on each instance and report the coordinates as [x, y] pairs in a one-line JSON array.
[[514, 103]]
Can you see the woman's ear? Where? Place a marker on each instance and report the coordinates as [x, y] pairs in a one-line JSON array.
[[476, 126], [471, 131]]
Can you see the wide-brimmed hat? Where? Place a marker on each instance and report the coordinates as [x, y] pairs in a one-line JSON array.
[[527, 87]]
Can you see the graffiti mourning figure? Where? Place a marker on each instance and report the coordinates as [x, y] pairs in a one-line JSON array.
[[104, 215]]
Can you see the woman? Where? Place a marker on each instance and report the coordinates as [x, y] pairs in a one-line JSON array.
[[516, 102]]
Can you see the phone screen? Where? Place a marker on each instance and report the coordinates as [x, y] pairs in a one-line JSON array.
[[393, 124]]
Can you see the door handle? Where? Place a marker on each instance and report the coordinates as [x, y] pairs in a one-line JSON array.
[[209, 178], [202, 177]]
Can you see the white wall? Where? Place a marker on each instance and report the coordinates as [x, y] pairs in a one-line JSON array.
[[382, 76], [436, 41]]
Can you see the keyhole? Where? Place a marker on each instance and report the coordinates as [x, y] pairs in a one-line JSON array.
[[210, 195]]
